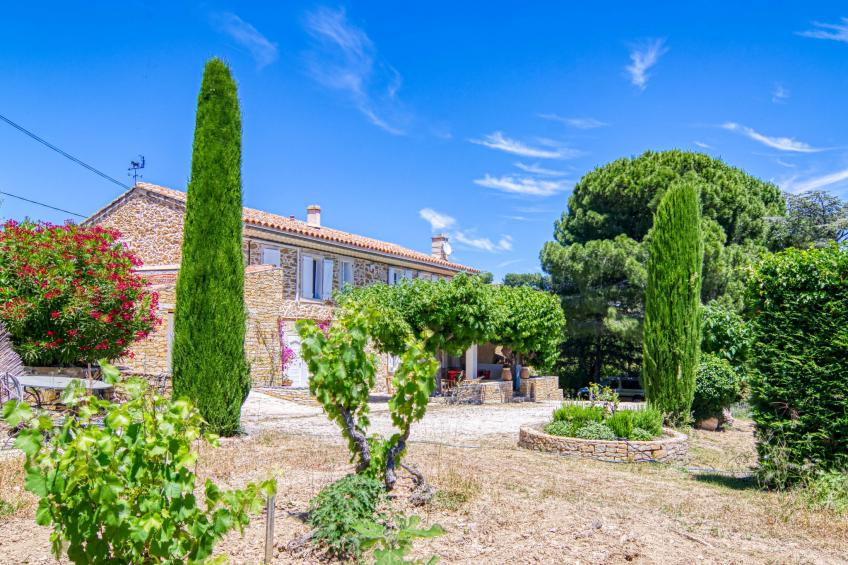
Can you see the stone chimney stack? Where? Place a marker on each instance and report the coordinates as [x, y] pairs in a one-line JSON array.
[[440, 248], [313, 215]]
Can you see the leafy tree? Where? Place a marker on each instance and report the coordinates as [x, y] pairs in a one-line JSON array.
[[812, 218], [672, 302], [621, 197], [342, 374], [530, 325], [209, 324], [617, 201], [533, 280], [449, 315], [601, 285], [117, 481], [70, 294]]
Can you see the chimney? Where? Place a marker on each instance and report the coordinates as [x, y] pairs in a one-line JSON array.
[[440, 248], [313, 215]]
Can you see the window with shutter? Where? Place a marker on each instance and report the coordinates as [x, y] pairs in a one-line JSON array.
[[307, 277], [326, 290]]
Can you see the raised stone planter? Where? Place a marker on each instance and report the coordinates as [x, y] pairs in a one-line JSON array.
[[672, 447]]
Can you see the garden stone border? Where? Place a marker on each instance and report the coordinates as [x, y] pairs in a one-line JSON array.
[[673, 447]]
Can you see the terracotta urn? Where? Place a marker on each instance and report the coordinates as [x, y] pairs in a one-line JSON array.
[[506, 375], [525, 373]]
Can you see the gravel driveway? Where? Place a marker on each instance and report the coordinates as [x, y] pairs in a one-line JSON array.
[[451, 424], [446, 424]]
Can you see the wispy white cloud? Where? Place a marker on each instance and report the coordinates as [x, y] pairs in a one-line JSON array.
[[344, 58], [814, 183], [263, 50], [579, 123], [500, 142], [483, 243], [702, 145], [779, 94], [642, 58], [536, 169], [833, 32], [527, 186], [781, 143], [438, 221], [503, 264], [786, 164]]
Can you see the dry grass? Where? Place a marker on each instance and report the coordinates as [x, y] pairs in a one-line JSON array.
[[500, 504]]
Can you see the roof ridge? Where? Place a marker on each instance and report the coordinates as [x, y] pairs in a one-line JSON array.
[[299, 227]]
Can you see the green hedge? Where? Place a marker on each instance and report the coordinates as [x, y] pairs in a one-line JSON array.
[[799, 361]]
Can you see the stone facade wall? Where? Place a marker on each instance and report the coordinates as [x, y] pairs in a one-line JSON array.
[[672, 448], [150, 225]]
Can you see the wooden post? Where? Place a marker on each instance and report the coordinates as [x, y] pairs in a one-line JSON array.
[[269, 529]]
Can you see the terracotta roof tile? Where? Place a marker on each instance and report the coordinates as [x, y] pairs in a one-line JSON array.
[[299, 227]]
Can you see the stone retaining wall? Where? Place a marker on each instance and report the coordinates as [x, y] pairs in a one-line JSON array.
[[673, 447]]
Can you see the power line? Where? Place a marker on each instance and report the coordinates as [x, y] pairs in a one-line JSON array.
[[42, 204], [60, 152]]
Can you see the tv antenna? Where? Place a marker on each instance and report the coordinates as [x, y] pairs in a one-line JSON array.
[[134, 168]]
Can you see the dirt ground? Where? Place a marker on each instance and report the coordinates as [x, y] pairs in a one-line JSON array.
[[502, 504]]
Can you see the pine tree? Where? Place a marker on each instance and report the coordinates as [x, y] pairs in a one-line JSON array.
[[209, 365], [672, 302]]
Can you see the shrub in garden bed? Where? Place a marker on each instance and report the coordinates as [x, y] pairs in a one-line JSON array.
[[594, 422]]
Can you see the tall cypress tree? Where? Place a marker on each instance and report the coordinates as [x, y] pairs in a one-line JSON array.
[[672, 302], [209, 364]]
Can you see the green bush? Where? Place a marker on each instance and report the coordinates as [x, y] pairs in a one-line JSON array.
[[717, 386], [335, 512], [560, 428], [799, 302], [578, 415], [595, 430], [392, 542], [621, 423], [827, 490], [117, 481], [648, 419], [641, 434]]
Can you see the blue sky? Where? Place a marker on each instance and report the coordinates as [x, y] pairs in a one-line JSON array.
[[474, 121]]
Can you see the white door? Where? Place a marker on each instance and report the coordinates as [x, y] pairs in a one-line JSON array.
[[296, 371]]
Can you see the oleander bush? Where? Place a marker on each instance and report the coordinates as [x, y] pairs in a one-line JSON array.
[[799, 311], [69, 294]]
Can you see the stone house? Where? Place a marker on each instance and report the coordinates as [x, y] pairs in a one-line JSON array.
[[291, 269]]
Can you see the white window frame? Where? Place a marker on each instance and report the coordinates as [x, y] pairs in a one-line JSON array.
[[342, 262], [263, 248], [396, 275], [321, 277]]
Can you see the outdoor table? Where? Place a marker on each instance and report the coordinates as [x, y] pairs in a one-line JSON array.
[[37, 383]]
